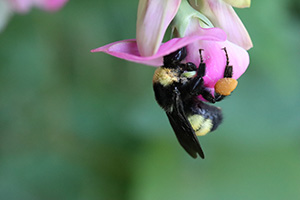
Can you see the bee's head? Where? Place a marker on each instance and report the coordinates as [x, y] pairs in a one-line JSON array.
[[173, 59]]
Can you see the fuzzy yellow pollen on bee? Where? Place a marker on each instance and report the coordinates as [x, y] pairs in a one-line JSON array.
[[200, 125], [225, 86], [165, 76]]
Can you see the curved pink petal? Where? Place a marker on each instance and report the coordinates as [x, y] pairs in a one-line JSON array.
[[153, 18], [128, 50], [215, 59], [214, 56], [222, 15]]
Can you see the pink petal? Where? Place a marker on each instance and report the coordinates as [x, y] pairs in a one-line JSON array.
[[223, 16], [153, 18], [214, 56], [128, 50], [51, 5], [24, 6], [215, 59]]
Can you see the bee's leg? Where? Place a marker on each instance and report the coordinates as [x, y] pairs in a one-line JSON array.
[[197, 82], [202, 66], [228, 68], [219, 97], [198, 87], [206, 94], [227, 74], [195, 86]]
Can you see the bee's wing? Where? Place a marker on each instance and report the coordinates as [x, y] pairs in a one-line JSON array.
[[183, 129]]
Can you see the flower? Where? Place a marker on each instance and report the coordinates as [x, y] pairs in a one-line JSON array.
[[222, 15], [213, 55], [153, 16], [8, 7], [191, 29], [128, 49], [24, 6]]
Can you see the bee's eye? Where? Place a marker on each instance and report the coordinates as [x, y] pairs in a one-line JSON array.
[[175, 57]]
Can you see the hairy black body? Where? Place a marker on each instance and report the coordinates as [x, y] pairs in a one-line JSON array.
[[177, 86]]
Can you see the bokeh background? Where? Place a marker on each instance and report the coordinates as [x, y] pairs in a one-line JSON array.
[[80, 125]]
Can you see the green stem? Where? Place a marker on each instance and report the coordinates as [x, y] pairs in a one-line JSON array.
[[183, 18]]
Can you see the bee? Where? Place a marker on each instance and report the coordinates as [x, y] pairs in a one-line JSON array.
[[177, 86]]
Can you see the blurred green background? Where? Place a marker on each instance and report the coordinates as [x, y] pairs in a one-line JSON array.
[[80, 125]]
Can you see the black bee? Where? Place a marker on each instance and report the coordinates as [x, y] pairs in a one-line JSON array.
[[176, 86]]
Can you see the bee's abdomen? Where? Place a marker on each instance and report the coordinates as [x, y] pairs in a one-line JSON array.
[[204, 118], [200, 125]]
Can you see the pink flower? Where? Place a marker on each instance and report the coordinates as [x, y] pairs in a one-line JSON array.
[[153, 18], [190, 28], [24, 6], [8, 7], [128, 49], [215, 57], [222, 15]]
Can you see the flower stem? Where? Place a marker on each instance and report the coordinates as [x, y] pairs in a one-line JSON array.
[[183, 18]]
